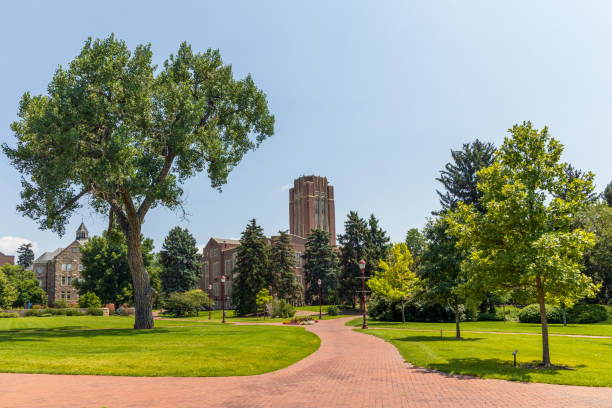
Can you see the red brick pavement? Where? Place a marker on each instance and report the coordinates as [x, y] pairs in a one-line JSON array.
[[349, 370]]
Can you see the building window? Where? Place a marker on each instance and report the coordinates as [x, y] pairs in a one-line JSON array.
[[80, 268], [228, 267], [206, 269], [69, 280], [216, 270], [69, 266], [63, 280], [63, 267], [74, 249], [40, 283], [63, 295], [298, 259], [68, 296], [40, 269]]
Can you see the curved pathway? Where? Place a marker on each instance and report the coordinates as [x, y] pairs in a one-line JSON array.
[[350, 369]]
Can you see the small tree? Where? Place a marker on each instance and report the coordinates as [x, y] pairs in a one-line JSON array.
[[26, 255], [395, 278], [8, 293], [524, 239], [321, 263], [180, 261], [25, 283], [282, 267], [89, 300], [262, 299]]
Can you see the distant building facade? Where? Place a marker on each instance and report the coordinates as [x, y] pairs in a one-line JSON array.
[[57, 271], [7, 259], [311, 206]]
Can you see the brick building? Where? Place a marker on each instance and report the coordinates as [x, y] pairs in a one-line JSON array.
[[311, 206], [56, 271], [6, 259]]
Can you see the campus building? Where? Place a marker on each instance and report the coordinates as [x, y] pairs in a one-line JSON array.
[[6, 259], [57, 271]]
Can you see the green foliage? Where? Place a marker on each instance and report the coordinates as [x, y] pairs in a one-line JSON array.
[[25, 283], [262, 299], [416, 310], [252, 268], [54, 312], [607, 194], [106, 271], [321, 263], [333, 310], [186, 303], [281, 308], [490, 317], [60, 304], [416, 244], [180, 261], [531, 314], [282, 269], [25, 255], [95, 311], [587, 313], [8, 315], [89, 300]]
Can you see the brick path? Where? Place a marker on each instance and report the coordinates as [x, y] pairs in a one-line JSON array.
[[349, 370]]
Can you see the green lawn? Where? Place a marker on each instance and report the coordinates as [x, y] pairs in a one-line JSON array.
[[595, 329], [229, 317], [489, 355], [88, 345]]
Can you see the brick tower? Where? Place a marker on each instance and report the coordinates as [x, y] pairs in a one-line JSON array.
[[311, 206]]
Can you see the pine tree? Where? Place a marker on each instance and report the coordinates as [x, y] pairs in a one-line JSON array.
[[181, 262], [321, 263], [377, 245], [282, 269], [252, 268], [607, 194], [352, 244], [26, 255]]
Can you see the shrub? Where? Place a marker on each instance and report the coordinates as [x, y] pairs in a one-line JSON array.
[[380, 308], [34, 312], [60, 304], [73, 312], [88, 300], [299, 319], [333, 310], [46, 315], [586, 313], [37, 307], [531, 314], [489, 317], [185, 303], [95, 311], [281, 308], [8, 315]]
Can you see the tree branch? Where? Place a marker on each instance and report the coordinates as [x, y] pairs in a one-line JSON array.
[[148, 201], [73, 200]]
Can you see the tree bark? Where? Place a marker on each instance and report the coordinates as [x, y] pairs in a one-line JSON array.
[[564, 315], [140, 278], [457, 328], [403, 313], [541, 300]]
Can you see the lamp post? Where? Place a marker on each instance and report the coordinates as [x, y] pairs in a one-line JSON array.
[[319, 282], [209, 301], [223, 296], [362, 265]]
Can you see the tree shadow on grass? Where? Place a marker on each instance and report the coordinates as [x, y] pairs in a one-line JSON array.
[[418, 339], [63, 333]]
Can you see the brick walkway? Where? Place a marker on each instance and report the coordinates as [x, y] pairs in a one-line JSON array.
[[349, 370]]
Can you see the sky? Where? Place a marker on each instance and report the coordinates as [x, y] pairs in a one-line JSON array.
[[372, 95]]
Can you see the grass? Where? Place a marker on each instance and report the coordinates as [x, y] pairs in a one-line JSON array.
[[88, 345], [595, 329], [589, 360], [229, 317]]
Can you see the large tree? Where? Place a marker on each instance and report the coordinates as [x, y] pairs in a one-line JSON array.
[[352, 250], [415, 241], [180, 260], [115, 129], [321, 263], [607, 194], [25, 283], [252, 268], [106, 271], [8, 293], [25, 255], [598, 220], [377, 245], [282, 269], [460, 177], [525, 239]]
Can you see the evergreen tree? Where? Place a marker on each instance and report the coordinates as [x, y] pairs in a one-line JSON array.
[[377, 245], [252, 268], [607, 194], [282, 269], [181, 262], [416, 244], [460, 178], [26, 255], [352, 250], [321, 263]]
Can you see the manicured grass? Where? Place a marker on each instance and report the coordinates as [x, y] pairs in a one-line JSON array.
[[595, 329], [85, 345], [229, 317], [489, 355]]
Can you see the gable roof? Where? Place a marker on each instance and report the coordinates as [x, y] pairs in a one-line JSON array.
[[47, 256], [226, 241]]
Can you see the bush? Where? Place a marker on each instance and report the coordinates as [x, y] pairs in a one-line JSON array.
[[586, 313], [34, 312], [95, 311], [332, 310], [186, 303], [72, 312], [46, 315], [281, 308], [60, 304], [88, 300], [531, 314], [382, 309], [37, 307], [489, 317], [299, 319], [8, 315]]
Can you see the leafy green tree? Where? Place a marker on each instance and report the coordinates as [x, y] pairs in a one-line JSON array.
[[106, 270], [282, 267], [262, 299], [416, 244], [395, 278], [8, 292], [440, 274], [572, 173], [460, 177], [126, 135], [524, 240], [187, 303], [321, 263], [252, 268], [180, 261], [89, 299], [25, 255], [597, 219], [607, 194], [25, 282], [352, 250]]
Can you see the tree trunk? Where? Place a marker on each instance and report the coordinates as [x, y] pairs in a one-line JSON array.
[[140, 279], [564, 315], [403, 313], [457, 328], [541, 300]]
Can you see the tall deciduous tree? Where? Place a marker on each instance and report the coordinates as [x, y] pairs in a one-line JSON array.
[[282, 268], [181, 266], [25, 255], [25, 283], [395, 278], [106, 271], [252, 268], [114, 130], [352, 250], [321, 263], [524, 240], [415, 241], [8, 293]]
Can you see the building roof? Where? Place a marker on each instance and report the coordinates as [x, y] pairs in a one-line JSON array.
[[47, 256], [226, 241]]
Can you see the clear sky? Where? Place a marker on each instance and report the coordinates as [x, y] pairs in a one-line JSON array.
[[372, 95]]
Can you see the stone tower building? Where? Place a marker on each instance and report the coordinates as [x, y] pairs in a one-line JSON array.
[[311, 206]]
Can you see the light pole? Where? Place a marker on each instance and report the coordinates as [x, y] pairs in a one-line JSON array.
[[362, 265], [319, 282], [223, 296], [209, 301]]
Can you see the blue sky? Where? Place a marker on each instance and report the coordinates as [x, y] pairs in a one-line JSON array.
[[372, 95]]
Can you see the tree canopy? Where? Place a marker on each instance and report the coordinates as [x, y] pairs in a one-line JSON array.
[[181, 262], [25, 284], [282, 269], [116, 130], [321, 263]]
